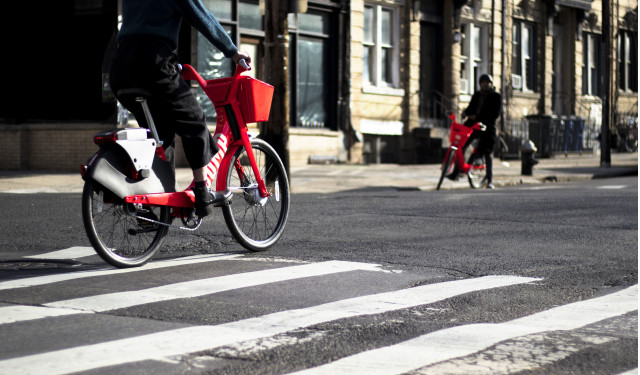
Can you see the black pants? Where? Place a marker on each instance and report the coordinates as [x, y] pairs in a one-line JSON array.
[[148, 63]]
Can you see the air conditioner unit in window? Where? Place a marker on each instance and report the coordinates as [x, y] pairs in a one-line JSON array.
[[464, 86], [516, 81]]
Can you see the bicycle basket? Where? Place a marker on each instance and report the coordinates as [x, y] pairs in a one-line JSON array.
[[459, 134], [255, 100], [216, 89]]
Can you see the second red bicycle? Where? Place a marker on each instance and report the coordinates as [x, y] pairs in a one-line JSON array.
[[459, 160]]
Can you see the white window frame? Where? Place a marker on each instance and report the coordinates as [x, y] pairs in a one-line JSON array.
[[626, 61], [591, 64], [473, 62], [523, 53], [375, 69]]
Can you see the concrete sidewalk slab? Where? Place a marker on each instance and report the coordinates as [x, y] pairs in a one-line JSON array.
[[331, 178]]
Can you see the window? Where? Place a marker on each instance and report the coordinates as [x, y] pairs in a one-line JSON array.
[[591, 64], [627, 61], [472, 56], [311, 64], [524, 77], [243, 22], [380, 46]]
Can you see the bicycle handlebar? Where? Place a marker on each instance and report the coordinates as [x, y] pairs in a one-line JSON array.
[[477, 126], [243, 63]]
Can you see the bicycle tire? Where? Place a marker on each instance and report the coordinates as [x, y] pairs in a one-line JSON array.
[[257, 223], [631, 143], [119, 238], [478, 172], [445, 166]]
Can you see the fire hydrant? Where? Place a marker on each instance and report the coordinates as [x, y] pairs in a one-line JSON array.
[[528, 150]]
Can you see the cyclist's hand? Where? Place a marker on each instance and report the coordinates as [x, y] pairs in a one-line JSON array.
[[241, 55]]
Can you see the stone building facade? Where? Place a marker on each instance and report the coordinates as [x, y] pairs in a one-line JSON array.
[[367, 81]]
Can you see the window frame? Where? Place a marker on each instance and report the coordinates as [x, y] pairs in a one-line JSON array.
[[298, 32], [591, 64], [627, 61], [239, 34], [472, 57], [377, 46], [524, 61]]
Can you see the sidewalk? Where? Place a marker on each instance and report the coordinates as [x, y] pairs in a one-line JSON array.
[[332, 178]]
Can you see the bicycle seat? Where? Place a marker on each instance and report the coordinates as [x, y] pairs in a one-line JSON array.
[[133, 93]]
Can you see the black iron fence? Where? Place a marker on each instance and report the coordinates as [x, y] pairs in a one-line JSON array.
[[552, 135]]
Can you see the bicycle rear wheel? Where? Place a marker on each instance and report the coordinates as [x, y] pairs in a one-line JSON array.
[[446, 165], [120, 238], [257, 222], [478, 173]]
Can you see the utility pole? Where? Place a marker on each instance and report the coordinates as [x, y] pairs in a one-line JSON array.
[[276, 130], [607, 89]]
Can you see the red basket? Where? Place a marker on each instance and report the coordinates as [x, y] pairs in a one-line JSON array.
[[255, 99], [459, 134], [216, 89]]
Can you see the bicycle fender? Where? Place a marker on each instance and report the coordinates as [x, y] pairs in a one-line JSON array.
[[110, 168]]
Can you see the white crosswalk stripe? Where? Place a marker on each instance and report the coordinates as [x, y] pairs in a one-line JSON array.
[[188, 289], [158, 264], [20, 313], [70, 253], [196, 288], [192, 339], [464, 340], [452, 350]]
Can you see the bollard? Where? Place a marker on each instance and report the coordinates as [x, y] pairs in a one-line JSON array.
[[528, 150]]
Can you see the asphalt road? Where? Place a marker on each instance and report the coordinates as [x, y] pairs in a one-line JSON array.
[[529, 279]]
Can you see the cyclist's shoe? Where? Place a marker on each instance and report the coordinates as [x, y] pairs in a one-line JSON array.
[[453, 176], [488, 184], [206, 200]]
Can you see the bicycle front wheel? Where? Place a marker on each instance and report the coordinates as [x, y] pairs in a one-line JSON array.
[[446, 166], [257, 222], [118, 231]]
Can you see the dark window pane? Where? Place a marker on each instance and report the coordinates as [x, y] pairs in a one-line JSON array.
[[387, 27], [312, 92], [315, 23], [368, 64], [386, 62], [222, 9], [249, 16], [368, 25], [211, 64]]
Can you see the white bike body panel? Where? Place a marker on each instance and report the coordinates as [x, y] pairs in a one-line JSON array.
[[141, 152], [135, 143]]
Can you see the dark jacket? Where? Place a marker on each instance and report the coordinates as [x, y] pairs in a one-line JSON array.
[[486, 109], [162, 19]]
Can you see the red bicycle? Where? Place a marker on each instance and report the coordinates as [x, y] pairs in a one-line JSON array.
[[130, 200], [474, 166]]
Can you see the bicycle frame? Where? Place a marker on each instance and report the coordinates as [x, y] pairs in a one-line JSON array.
[[231, 134], [458, 138]]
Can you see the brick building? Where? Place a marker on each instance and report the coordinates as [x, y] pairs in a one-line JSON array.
[[360, 81]]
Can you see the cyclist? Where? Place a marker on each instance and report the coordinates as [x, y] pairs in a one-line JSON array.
[[485, 107], [145, 59]]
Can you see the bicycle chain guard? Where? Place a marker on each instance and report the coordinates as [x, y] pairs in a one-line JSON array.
[[187, 227]]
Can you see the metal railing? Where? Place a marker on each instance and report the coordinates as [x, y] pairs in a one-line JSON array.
[[435, 107], [553, 135]]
